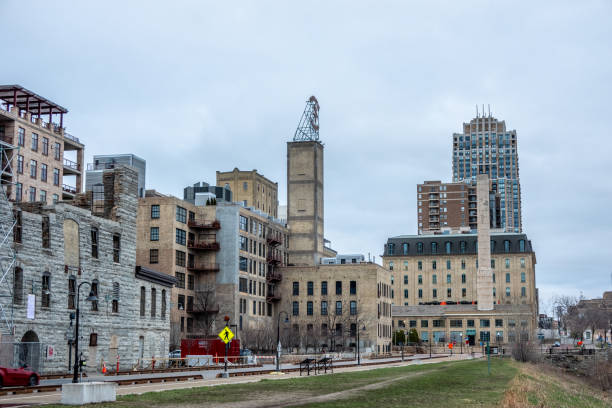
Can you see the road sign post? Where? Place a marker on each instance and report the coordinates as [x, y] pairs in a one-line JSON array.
[[226, 335]]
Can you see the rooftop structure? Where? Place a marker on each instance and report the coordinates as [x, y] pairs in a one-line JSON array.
[[106, 162]]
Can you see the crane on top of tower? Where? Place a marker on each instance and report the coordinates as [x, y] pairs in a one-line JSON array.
[[308, 128]]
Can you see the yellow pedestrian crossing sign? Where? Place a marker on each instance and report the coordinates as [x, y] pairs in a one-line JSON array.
[[226, 335]]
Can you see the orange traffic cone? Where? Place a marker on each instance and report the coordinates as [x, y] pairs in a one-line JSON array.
[[103, 368]]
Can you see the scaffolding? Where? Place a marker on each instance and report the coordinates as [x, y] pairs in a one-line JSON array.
[[308, 128], [7, 225]]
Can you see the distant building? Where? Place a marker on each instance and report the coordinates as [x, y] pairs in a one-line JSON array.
[[252, 189], [49, 164], [342, 259], [201, 192], [599, 309], [106, 162], [487, 147]]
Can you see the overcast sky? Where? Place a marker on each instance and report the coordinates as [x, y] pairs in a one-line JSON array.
[[195, 87]]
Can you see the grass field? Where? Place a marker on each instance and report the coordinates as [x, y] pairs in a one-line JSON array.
[[447, 384]]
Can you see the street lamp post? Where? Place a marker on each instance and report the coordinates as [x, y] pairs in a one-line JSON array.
[[278, 343], [358, 353], [461, 339], [92, 297]]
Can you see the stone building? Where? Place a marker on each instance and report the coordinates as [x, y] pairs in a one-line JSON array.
[[252, 189], [445, 284], [60, 247], [326, 304], [49, 164], [223, 256]]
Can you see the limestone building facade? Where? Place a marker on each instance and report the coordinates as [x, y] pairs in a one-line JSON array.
[[327, 304], [252, 189], [58, 247]]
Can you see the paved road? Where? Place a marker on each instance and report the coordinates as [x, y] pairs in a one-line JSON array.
[[210, 379]]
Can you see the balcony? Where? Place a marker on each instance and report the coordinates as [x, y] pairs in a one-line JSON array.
[[205, 309], [203, 224], [434, 212], [203, 267], [274, 238], [274, 258], [71, 167], [69, 189], [434, 197], [434, 219], [273, 277], [434, 204], [204, 246], [272, 297]]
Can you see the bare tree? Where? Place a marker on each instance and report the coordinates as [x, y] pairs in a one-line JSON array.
[[206, 309]]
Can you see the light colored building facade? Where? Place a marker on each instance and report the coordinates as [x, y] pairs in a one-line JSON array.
[[224, 257], [93, 176], [327, 304], [487, 147], [59, 247], [342, 259], [252, 189], [49, 164]]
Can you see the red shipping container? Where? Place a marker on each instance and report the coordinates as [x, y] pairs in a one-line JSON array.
[[213, 346]]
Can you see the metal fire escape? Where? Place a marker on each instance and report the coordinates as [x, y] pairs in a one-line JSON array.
[[308, 128], [7, 225]]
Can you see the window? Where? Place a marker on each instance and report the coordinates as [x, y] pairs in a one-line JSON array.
[[506, 246], [116, 247], [153, 256], [43, 196], [21, 137], [507, 263], [55, 198], [296, 309], [463, 278], [296, 288], [485, 323], [309, 307], [180, 258], [142, 300], [58, 151], [507, 278], [18, 286], [34, 142], [46, 232], [32, 194], [154, 234], [437, 323], [448, 264], [20, 164], [180, 236], [163, 304], [180, 304], [310, 288], [447, 247], [391, 265], [507, 292], [33, 164], [424, 323], [243, 264], [181, 214], [71, 292], [338, 307], [180, 280], [405, 247], [419, 247], [353, 308], [463, 264], [499, 322], [522, 262], [338, 287], [244, 223], [43, 172], [434, 279], [406, 293], [93, 339], [190, 282], [420, 265], [522, 245], [155, 211], [245, 186], [353, 288], [434, 293], [420, 293], [391, 249], [463, 292], [448, 278], [405, 279], [244, 243], [189, 304], [323, 308], [494, 292], [494, 277], [523, 291], [115, 304], [434, 247], [420, 279], [243, 285], [462, 247], [45, 146], [56, 177], [448, 292]]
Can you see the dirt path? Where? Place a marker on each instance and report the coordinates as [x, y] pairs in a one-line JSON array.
[[283, 400]]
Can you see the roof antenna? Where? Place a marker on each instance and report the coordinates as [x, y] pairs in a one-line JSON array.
[[489, 105], [476, 110]]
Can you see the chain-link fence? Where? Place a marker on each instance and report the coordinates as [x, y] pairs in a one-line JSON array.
[[19, 354]]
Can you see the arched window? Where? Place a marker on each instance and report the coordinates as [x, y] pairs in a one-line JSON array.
[[506, 246], [434, 247], [18, 286], [462, 247], [153, 302], [163, 304], [522, 245], [94, 289], [405, 247], [419, 247], [391, 248], [448, 247], [115, 303], [143, 299], [45, 298]]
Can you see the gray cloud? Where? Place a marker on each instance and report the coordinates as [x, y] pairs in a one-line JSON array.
[[195, 87]]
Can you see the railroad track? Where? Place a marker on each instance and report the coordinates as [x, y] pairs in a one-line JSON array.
[[180, 369], [51, 388]]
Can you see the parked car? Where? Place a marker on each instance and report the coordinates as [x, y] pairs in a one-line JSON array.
[[247, 356], [18, 376]]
